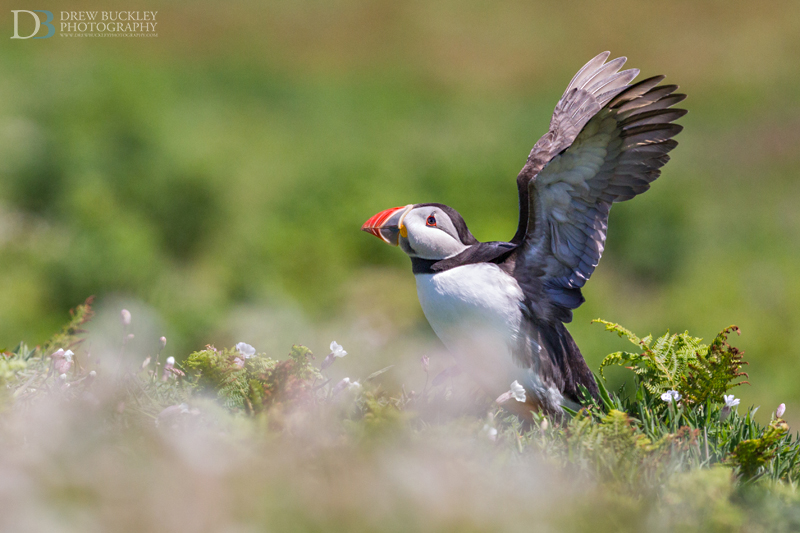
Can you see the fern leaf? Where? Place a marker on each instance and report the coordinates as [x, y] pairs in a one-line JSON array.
[[619, 330]]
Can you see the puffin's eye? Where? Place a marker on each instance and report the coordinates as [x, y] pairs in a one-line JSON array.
[[431, 222]]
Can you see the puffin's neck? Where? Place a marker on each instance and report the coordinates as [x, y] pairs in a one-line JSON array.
[[482, 252], [423, 266]]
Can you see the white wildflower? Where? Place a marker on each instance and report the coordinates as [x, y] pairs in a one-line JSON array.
[[781, 409], [168, 368], [518, 391], [246, 350], [671, 396], [544, 425], [63, 377], [163, 342], [730, 400], [345, 382], [337, 350], [68, 355], [58, 353], [491, 432], [126, 317]]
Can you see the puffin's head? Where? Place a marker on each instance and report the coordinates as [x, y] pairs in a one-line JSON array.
[[426, 231]]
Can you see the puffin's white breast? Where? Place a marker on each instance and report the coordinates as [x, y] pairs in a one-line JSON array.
[[476, 311]]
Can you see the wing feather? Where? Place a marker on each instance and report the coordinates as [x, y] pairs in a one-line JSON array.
[[596, 84], [616, 155]]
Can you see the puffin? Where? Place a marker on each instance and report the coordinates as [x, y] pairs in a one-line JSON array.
[[500, 308]]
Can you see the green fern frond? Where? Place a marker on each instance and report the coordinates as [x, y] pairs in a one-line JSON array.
[[714, 371], [681, 362], [619, 330], [618, 359]]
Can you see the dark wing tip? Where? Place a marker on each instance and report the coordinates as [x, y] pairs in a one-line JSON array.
[[636, 90]]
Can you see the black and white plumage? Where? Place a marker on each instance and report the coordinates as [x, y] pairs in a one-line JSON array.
[[500, 307]]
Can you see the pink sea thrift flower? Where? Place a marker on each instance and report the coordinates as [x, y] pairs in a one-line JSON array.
[[63, 362]]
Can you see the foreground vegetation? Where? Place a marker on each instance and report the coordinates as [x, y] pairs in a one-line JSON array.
[[226, 167], [231, 439]]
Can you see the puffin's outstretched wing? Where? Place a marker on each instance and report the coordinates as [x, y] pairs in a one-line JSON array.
[[590, 89], [617, 154]]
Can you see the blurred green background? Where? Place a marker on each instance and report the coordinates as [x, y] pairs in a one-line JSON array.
[[219, 173]]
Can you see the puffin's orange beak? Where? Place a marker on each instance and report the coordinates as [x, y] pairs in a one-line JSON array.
[[387, 225]]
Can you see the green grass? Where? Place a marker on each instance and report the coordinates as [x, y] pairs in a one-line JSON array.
[[124, 442]]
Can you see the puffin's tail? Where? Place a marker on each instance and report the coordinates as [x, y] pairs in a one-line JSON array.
[[567, 361]]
